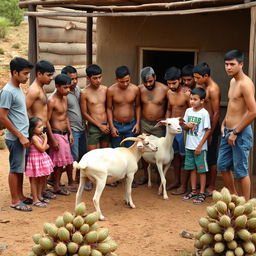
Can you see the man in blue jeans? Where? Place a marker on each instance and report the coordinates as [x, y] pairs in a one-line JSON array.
[[78, 149], [236, 130], [13, 115]]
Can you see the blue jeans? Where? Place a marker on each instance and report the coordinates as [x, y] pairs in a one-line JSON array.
[[235, 156], [179, 144], [16, 156], [78, 149], [125, 131]]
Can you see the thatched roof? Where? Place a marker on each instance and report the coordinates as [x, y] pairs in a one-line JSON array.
[[139, 7]]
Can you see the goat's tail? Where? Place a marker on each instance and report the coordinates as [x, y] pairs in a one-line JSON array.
[[80, 165], [76, 165]]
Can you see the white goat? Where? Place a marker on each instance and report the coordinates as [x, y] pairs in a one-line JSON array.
[[107, 165], [164, 155]]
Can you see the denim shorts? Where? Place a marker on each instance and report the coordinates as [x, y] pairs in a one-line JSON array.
[[16, 156], [78, 149], [125, 131], [179, 143], [235, 156], [197, 162]]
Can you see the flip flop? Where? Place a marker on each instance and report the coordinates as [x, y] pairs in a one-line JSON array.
[[21, 207], [72, 188], [208, 193], [51, 183], [40, 204], [142, 181], [62, 192], [28, 200], [49, 195], [44, 200]]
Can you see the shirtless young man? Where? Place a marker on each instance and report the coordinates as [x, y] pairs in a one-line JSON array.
[[36, 99], [123, 108], [58, 127], [13, 115], [93, 106], [178, 102], [78, 149], [187, 78], [153, 101], [212, 105], [236, 129]]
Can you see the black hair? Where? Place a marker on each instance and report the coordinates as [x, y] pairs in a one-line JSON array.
[[146, 73], [68, 70], [234, 54], [62, 79], [187, 70], [18, 64], [93, 70], [33, 121], [172, 73], [200, 92], [44, 66], [122, 71], [202, 69]]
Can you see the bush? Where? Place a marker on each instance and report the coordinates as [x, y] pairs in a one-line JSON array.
[[4, 23], [16, 46], [10, 10]]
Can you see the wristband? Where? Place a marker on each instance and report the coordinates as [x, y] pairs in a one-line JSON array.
[[235, 132]]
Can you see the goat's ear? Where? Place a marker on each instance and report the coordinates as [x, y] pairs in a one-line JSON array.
[[160, 123]]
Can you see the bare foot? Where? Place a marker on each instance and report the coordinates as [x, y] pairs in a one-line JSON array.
[[172, 186], [179, 191]]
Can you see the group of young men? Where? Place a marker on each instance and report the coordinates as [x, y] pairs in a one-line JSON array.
[[125, 110]]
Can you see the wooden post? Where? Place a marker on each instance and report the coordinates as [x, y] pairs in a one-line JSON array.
[[32, 43], [252, 75], [89, 40]]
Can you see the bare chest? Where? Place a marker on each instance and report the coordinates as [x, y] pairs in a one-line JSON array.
[[124, 97]]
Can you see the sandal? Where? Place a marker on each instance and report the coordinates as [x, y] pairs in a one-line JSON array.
[[88, 187], [28, 200], [199, 199], [190, 195], [62, 192], [142, 181], [49, 195], [44, 200], [21, 207], [40, 204]]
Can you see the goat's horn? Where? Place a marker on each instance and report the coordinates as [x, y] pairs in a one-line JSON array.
[[129, 138]]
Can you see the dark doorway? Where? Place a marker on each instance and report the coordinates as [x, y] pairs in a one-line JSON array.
[[160, 60]]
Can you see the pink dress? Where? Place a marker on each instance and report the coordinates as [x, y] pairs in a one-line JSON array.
[[38, 164]]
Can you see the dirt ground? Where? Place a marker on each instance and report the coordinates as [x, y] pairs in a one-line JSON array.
[[151, 229]]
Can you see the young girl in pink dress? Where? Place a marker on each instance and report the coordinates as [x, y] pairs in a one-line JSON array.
[[39, 165]]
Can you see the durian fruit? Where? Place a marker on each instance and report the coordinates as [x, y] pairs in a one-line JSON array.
[[229, 229], [79, 234]]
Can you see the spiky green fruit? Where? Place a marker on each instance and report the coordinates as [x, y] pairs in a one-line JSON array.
[[229, 234], [46, 243], [84, 250], [247, 208], [218, 237], [199, 234], [96, 253], [46, 227], [212, 212], [68, 217], [244, 234], [239, 251], [80, 209], [63, 234], [251, 223], [103, 247], [241, 200], [78, 221], [232, 245], [37, 249], [61, 249], [239, 210], [206, 239], [231, 206], [36, 238], [208, 252], [72, 247], [225, 221], [226, 197], [31, 254], [252, 214], [94, 226], [241, 221], [91, 237], [229, 253], [252, 202], [84, 229], [203, 222], [52, 254], [91, 218], [253, 238], [77, 237], [216, 196], [102, 234], [70, 227], [59, 222], [113, 245], [198, 244], [53, 231], [219, 247], [214, 228], [249, 247], [221, 207]]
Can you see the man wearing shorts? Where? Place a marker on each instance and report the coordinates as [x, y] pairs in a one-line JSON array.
[[13, 115], [235, 129], [178, 102], [93, 108], [153, 101]]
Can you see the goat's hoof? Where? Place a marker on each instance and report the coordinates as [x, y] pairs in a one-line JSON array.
[[132, 205], [101, 217], [166, 197], [149, 185]]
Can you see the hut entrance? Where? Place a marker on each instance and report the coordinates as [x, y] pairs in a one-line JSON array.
[[161, 59]]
